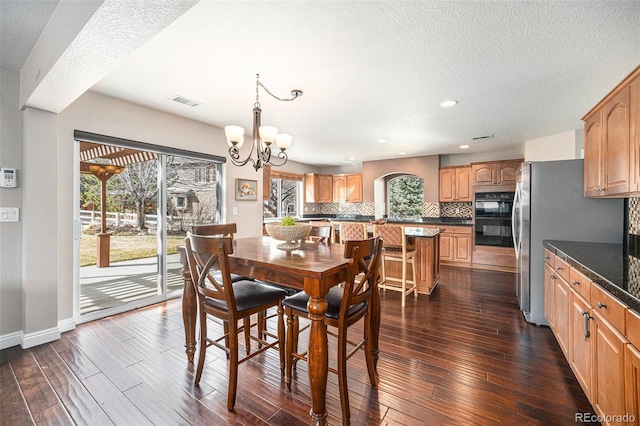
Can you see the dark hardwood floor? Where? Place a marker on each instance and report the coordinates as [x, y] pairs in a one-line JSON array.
[[461, 356]]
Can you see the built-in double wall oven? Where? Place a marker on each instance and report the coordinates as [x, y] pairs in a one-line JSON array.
[[493, 219]]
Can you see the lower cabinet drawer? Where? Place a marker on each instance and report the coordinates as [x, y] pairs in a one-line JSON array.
[[609, 307]]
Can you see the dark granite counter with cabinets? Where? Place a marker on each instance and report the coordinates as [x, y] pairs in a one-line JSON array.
[[452, 221], [604, 264]]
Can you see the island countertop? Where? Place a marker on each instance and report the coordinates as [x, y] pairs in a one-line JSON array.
[[412, 231], [604, 264]]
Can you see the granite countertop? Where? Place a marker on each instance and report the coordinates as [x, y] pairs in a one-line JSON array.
[[605, 264], [451, 221], [421, 232]]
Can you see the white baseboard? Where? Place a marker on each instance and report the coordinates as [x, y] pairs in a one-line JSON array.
[[11, 339], [67, 325], [37, 338], [40, 337]]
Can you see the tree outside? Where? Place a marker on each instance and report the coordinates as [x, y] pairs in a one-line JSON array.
[[405, 196]]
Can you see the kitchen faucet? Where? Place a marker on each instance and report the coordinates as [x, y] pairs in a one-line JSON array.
[[293, 209]]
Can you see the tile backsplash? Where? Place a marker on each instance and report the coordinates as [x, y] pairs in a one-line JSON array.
[[368, 209], [634, 216]]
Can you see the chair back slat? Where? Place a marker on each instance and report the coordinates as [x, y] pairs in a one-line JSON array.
[[362, 272], [321, 234], [352, 231], [203, 252], [393, 235], [222, 229]]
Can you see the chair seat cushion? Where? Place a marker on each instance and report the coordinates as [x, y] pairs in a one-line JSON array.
[[234, 277], [249, 295], [395, 252], [333, 298]]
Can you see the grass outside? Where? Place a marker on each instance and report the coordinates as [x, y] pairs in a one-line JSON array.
[[126, 247]]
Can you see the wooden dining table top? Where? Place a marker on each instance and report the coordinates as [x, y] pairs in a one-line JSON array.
[[260, 258]]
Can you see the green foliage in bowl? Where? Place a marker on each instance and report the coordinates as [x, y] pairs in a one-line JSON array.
[[287, 221]]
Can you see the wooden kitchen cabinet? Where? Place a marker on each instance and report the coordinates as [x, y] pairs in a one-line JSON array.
[[318, 188], [455, 184], [598, 342], [580, 341], [608, 369], [549, 295], [455, 244], [611, 142], [347, 188], [632, 382], [266, 182], [428, 263], [503, 173]]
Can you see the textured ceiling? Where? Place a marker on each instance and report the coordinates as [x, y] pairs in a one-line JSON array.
[[378, 70]]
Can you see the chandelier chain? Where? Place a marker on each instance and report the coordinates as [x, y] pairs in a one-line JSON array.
[[294, 93]]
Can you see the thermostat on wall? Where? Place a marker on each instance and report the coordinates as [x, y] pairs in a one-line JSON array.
[[8, 178]]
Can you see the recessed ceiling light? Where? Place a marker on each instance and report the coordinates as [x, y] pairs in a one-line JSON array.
[[351, 158], [382, 141], [402, 153], [448, 103], [464, 146]]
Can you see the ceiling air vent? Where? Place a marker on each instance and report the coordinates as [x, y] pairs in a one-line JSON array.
[[477, 138], [186, 101]]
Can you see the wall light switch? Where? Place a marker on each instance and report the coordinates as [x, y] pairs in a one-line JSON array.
[[235, 211], [9, 214]]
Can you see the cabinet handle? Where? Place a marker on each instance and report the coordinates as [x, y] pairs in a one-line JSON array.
[[601, 305], [553, 277], [587, 317], [559, 268], [546, 258], [574, 282]]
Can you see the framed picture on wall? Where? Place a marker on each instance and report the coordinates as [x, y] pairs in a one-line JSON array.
[[246, 190]]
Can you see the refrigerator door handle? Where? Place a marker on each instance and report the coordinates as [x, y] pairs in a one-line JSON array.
[[516, 224]]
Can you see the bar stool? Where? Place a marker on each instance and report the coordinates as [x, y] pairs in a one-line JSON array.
[[396, 250], [352, 231]]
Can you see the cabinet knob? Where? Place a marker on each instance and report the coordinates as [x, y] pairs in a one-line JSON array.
[[553, 277], [559, 268], [546, 258], [601, 305], [574, 282]]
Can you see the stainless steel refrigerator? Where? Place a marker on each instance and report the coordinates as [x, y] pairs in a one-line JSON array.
[[549, 205]]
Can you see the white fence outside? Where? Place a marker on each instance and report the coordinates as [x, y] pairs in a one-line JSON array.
[[116, 219]]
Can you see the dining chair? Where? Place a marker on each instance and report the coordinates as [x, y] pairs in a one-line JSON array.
[[396, 250], [353, 231], [345, 307], [230, 302], [228, 230], [321, 234]]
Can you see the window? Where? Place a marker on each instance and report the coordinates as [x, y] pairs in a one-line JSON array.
[[181, 203], [405, 196], [286, 196], [202, 175]]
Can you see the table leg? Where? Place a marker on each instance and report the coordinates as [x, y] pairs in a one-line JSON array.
[[318, 359], [189, 311], [375, 328]]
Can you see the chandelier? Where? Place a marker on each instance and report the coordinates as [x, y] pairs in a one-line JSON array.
[[263, 137]]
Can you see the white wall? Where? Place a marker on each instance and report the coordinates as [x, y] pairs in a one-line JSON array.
[[466, 159], [561, 146], [11, 233]]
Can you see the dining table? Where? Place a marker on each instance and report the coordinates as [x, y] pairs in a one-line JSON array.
[[314, 268]]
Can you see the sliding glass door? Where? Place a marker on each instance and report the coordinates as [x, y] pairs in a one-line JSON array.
[[135, 207]]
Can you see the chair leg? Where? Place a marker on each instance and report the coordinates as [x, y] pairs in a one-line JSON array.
[[225, 329], [203, 346], [383, 274], [368, 351], [281, 338], [415, 277], [289, 345], [404, 283], [246, 322], [262, 326], [233, 366], [342, 375]]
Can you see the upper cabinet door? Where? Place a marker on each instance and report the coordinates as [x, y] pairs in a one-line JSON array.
[[354, 183], [325, 188], [484, 174], [593, 156], [463, 184], [339, 188], [507, 172], [617, 144], [447, 185]]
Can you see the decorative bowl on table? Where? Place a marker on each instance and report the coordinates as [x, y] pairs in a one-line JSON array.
[[291, 234]]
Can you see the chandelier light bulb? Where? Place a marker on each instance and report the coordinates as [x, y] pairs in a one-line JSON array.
[[268, 134], [283, 141]]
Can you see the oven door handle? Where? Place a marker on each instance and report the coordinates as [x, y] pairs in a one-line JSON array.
[[516, 225]]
